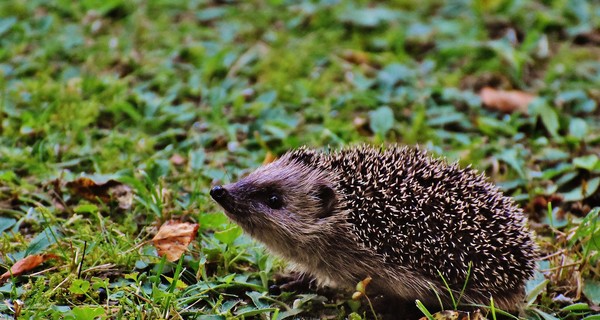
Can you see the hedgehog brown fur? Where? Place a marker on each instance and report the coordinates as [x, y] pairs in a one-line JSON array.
[[396, 214]]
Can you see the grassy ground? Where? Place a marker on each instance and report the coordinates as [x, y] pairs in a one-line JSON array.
[[169, 97]]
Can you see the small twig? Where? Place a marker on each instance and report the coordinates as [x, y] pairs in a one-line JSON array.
[[44, 271], [553, 254], [139, 245], [58, 285], [105, 266], [574, 264]]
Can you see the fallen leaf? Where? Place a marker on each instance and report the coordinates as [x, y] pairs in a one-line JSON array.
[[506, 101], [110, 191], [26, 264], [355, 57], [540, 202], [173, 238]]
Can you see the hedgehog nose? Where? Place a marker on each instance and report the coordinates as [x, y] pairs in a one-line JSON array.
[[218, 192]]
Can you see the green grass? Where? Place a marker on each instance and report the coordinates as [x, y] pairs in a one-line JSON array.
[[119, 89]]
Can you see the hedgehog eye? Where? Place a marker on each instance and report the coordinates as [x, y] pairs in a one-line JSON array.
[[274, 201]]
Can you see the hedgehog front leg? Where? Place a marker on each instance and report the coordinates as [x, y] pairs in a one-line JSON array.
[[295, 281]]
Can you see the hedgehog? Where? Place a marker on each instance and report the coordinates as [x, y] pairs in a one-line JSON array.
[[418, 226]]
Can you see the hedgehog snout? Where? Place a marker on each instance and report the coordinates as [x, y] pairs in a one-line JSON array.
[[227, 197], [218, 192], [220, 195]]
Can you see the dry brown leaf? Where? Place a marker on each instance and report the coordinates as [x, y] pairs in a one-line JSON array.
[[107, 192], [26, 264], [173, 238], [355, 57], [506, 101]]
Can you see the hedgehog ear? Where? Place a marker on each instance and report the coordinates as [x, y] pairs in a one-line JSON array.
[[327, 199]]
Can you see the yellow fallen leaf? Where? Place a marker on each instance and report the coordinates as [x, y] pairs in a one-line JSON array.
[[173, 238]]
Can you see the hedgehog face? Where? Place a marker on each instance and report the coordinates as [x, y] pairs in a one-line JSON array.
[[282, 201]]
